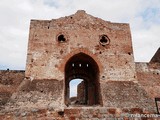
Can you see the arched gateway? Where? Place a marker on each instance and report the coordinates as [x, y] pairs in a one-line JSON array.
[[97, 52], [84, 67]]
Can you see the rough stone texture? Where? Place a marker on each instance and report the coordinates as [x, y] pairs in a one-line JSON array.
[[11, 77], [81, 93], [126, 95], [80, 46], [9, 81], [148, 75], [77, 113], [37, 94], [47, 57]]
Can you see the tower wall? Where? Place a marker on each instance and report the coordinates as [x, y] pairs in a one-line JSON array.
[[53, 42]]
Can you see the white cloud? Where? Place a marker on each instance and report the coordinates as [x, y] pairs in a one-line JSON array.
[[146, 42], [143, 16]]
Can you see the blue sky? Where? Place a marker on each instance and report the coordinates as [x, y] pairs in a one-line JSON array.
[[73, 86], [151, 15], [142, 15]]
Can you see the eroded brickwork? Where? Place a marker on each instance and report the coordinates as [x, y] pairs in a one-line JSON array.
[[47, 57], [9, 82], [53, 42], [82, 46], [148, 75]]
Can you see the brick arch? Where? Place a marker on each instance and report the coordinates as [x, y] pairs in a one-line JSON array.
[[80, 50], [89, 70]]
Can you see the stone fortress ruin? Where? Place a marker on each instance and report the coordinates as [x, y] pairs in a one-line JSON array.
[[80, 46]]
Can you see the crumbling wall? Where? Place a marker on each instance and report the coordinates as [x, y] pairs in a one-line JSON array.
[[9, 82], [126, 94], [36, 94], [47, 56], [53, 42], [148, 75], [11, 77]]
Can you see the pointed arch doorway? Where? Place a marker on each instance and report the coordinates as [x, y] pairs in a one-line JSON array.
[[82, 66]]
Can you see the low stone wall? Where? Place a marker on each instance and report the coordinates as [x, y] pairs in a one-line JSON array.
[[9, 82], [143, 67], [11, 77], [36, 94], [126, 94], [148, 76]]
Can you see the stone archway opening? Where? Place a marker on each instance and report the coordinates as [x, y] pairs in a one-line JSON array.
[[77, 95], [82, 66]]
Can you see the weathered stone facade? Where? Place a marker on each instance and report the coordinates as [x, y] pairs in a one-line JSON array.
[[97, 51]]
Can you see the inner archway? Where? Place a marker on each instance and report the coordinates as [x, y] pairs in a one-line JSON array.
[[82, 66], [78, 92]]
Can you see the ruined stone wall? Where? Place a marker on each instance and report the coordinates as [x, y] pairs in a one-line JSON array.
[[116, 79], [9, 82], [148, 75], [47, 57]]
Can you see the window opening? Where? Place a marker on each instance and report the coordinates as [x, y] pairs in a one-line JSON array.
[[87, 65], [61, 38], [104, 40]]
